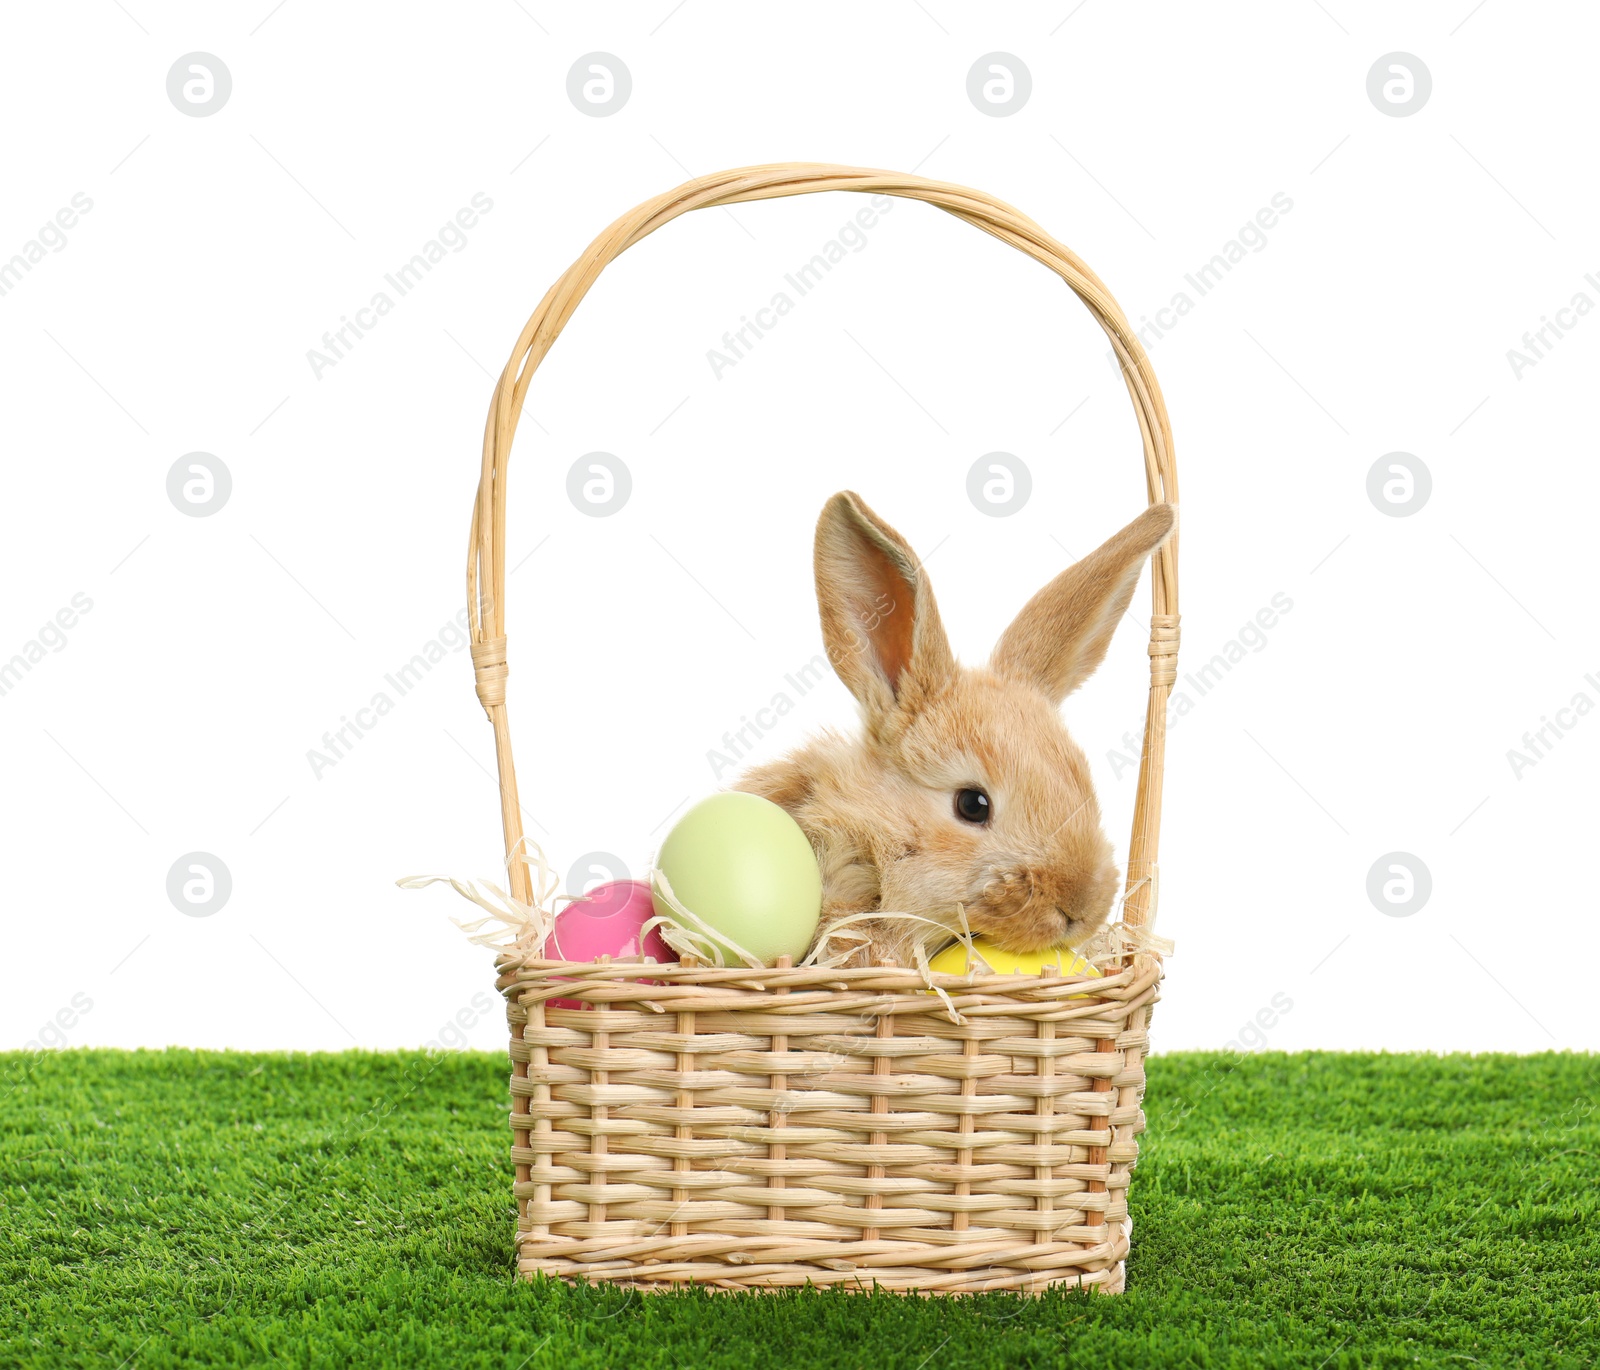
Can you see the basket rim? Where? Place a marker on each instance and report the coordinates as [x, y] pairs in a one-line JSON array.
[[800, 992]]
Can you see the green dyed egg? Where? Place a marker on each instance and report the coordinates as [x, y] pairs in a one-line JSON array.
[[742, 865]]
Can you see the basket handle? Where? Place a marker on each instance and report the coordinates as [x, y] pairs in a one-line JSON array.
[[486, 551]]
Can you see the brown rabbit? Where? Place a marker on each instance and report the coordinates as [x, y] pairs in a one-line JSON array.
[[964, 788]]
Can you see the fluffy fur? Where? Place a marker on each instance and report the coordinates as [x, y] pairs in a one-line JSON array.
[[879, 808]]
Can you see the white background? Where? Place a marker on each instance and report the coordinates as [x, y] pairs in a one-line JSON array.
[[177, 318]]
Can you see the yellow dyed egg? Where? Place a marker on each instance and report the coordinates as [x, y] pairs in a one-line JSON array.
[[989, 959]]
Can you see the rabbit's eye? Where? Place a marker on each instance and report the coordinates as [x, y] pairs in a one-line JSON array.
[[972, 806]]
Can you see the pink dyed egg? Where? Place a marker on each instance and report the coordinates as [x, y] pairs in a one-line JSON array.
[[606, 922]]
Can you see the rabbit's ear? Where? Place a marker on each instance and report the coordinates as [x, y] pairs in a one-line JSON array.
[[1062, 633], [879, 620]]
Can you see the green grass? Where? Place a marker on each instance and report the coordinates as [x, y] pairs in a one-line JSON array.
[[1321, 1210]]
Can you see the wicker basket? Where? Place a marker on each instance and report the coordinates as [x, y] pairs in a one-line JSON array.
[[748, 1129]]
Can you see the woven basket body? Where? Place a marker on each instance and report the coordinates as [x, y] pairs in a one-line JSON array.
[[794, 1127], [764, 1128]]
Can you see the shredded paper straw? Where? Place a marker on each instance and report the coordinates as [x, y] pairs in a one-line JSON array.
[[512, 924]]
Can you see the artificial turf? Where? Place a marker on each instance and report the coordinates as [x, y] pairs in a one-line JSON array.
[[1321, 1210]]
